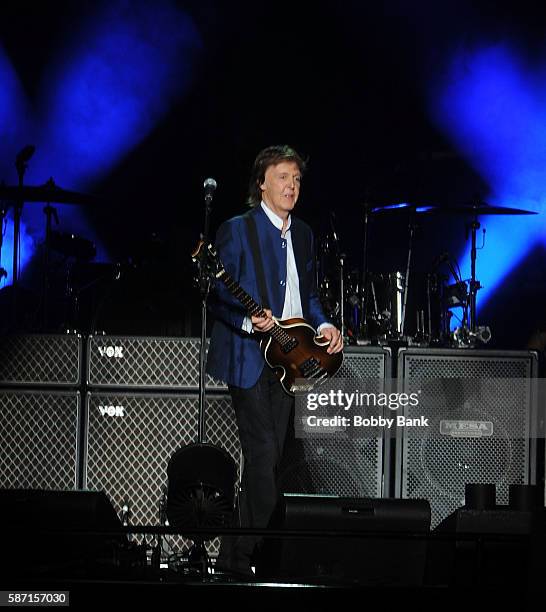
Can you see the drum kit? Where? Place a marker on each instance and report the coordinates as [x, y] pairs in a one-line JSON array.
[[66, 244], [371, 307]]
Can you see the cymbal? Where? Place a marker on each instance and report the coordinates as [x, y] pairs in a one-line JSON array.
[[482, 208], [49, 193], [403, 207]]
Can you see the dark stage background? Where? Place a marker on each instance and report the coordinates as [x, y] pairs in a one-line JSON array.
[[348, 84]]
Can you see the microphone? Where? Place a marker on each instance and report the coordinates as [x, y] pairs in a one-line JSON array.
[[209, 186], [25, 154]]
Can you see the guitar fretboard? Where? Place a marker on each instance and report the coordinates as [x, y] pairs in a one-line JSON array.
[[253, 308]]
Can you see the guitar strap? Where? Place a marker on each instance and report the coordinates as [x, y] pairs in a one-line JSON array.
[[258, 262]]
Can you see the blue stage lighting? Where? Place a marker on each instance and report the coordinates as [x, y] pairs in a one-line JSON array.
[[110, 85], [493, 107]]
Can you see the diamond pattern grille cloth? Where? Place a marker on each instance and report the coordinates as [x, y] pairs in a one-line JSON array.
[[37, 360], [127, 456], [38, 437], [146, 363]]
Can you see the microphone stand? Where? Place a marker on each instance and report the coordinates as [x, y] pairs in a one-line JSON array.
[[204, 288]]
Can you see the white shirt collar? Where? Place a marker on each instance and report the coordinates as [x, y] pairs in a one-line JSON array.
[[275, 219]]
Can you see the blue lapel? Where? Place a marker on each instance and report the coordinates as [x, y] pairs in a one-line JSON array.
[[274, 259]]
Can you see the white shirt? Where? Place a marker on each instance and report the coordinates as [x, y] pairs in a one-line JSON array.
[[292, 299]]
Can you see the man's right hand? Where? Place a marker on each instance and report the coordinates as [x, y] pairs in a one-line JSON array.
[[263, 324]]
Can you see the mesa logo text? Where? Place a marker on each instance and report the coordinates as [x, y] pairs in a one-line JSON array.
[[356, 399]]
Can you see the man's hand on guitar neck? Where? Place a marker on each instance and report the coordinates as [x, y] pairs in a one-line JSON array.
[[263, 324]]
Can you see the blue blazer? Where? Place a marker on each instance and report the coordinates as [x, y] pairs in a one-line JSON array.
[[234, 356]]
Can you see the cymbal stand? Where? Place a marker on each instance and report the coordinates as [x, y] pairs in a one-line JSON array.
[[3, 213], [411, 228], [21, 166], [474, 284], [471, 333], [50, 212]]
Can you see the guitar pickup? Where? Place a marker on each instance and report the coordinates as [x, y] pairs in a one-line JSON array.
[[310, 367], [290, 345]]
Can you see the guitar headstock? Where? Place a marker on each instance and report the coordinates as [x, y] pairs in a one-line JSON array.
[[207, 259]]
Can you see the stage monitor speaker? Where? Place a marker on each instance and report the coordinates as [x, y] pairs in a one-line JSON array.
[[351, 467], [58, 534], [146, 363], [40, 360], [130, 438], [500, 547], [436, 465], [389, 553], [39, 444]]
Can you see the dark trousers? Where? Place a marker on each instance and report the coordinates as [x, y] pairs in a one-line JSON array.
[[262, 413]]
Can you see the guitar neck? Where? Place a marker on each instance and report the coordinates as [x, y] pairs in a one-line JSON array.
[[253, 308]]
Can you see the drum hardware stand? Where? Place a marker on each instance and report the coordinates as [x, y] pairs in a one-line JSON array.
[[158, 548], [411, 227], [475, 285], [3, 213], [342, 296], [341, 261], [21, 166], [471, 333], [50, 212], [363, 331]]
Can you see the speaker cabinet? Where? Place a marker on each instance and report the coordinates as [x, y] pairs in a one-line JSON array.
[[40, 360], [39, 439], [130, 438], [60, 535], [146, 362], [470, 388], [350, 467], [370, 542]]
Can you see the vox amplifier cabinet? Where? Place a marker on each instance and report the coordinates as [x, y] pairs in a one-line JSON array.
[[130, 437], [40, 360], [145, 362], [39, 443]]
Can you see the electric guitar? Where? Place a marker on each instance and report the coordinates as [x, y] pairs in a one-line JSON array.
[[291, 347]]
